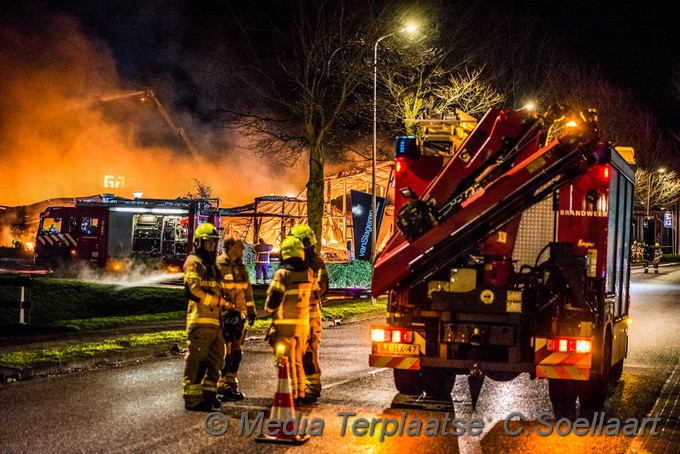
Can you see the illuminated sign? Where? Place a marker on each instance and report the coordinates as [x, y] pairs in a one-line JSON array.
[[588, 213], [112, 181], [582, 243]]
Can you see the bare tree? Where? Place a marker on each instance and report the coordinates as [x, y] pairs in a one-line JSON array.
[[622, 119], [429, 86], [657, 189], [200, 190], [302, 82], [468, 91]]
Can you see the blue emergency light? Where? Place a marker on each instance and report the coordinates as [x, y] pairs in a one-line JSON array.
[[406, 147]]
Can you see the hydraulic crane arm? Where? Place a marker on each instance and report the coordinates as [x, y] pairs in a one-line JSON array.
[[500, 192], [150, 95], [177, 130]]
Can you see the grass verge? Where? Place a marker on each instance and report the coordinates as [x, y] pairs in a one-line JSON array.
[[29, 359], [114, 322], [33, 358], [356, 307]]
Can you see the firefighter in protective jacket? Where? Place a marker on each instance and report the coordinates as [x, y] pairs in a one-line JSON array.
[[310, 360], [288, 300], [238, 292], [652, 255], [262, 250], [205, 344]]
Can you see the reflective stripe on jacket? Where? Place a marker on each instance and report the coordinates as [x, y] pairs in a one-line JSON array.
[[289, 298], [235, 283], [262, 251], [203, 289]]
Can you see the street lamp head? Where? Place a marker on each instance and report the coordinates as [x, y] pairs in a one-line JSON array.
[[410, 28], [661, 170]]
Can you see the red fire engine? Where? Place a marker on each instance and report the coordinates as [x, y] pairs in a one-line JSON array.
[[115, 233], [514, 259]]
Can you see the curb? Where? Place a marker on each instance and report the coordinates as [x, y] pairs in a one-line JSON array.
[[123, 358], [640, 265], [354, 319], [116, 359]]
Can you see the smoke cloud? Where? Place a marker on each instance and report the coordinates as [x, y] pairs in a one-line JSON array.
[[70, 126]]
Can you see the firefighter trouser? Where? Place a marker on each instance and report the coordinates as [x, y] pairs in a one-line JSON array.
[[310, 360], [202, 364], [655, 263], [294, 350], [262, 272], [232, 363]]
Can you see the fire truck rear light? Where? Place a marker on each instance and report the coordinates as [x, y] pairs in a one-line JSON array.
[[397, 336], [583, 346], [563, 345], [393, 335], [400, 167], [570, 345], [378, 335]]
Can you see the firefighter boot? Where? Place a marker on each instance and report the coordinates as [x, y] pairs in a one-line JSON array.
[[203, 406], [308, 399], [228, 386], [231, 393]]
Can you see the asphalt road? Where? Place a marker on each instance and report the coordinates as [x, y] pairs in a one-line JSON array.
[[139, 408]]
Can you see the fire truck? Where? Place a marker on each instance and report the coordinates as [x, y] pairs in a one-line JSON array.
[[115, 233], [513, 259]]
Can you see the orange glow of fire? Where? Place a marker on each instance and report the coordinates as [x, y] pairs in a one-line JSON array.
[[74, 130]]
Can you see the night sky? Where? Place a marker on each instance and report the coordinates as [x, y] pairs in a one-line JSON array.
[[636, 44], [73, 53]]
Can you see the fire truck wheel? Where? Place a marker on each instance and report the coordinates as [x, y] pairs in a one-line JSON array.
[[563, 394], [594, 392], [438, 382], [408, 381], [615, 373]]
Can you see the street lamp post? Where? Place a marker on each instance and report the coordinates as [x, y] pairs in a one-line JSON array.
[[374, 159], [374, 215], [649, 186]]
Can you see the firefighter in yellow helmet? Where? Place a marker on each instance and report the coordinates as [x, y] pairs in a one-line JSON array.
[[238, 291], [206, 347], [310, 359], [652, 256], [289, 296]]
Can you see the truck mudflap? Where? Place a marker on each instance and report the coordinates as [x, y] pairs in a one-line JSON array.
[[564, 358]]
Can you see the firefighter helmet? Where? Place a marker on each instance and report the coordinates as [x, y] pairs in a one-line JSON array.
[[305, 234], [205, 231], [292, 247]]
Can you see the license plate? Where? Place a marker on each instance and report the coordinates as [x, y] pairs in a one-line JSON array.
[[399, 349]]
